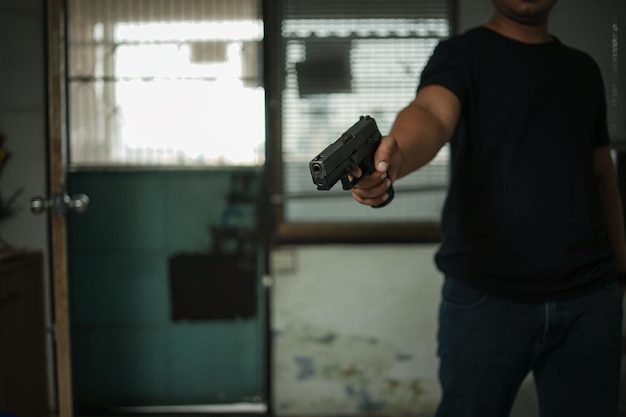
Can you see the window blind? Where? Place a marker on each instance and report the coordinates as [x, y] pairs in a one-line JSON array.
[[340, 60]]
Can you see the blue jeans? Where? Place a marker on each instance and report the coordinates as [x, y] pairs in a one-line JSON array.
[[488, 345]]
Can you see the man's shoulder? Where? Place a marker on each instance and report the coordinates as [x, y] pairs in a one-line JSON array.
[[579, 55]]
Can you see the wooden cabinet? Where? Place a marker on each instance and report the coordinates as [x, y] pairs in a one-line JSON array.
[[23, 387]]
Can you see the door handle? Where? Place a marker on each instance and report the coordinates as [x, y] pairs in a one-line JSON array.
[[60, 204]]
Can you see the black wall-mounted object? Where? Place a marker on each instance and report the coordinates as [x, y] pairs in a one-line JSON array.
[[326, 69], [212, 287]]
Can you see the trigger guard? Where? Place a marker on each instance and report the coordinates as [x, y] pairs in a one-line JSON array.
[[355, 181], [366, 169]]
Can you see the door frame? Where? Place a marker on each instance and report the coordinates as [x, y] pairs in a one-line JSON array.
[[57, 140]]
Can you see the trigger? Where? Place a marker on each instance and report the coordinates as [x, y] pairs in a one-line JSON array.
[[355, 181], [345, 183]]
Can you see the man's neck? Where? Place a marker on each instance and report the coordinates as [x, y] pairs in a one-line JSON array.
[[518, 31]]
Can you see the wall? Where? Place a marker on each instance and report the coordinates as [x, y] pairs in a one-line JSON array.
[[23, 116], [354, 330], [23, 121]]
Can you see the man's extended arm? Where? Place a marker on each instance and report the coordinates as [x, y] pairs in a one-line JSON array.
[[418, 133], [424, 127]]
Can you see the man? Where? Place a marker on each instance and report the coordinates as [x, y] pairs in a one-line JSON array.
[[532, 232]]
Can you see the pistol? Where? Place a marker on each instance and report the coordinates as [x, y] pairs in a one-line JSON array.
[[356, 147]]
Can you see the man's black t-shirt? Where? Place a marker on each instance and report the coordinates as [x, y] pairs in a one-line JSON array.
[[523, 218]]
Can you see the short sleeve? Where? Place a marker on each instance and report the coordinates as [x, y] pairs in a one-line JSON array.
[[447, 68]]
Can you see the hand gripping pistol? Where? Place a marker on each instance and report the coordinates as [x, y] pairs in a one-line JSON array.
[[356, 147]]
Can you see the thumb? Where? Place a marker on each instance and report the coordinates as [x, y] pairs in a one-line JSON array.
[[383, 153]]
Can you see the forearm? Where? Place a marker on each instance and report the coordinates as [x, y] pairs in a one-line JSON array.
[[424, 126], [419, 136]]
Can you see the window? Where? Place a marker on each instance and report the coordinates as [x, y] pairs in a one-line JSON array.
[[165, 83], [338, 60]]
